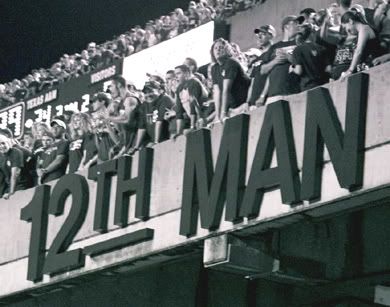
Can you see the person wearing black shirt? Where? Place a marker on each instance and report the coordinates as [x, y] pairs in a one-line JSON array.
[[152, 127], [279, 57], [264, 36], [105, 135], [15, 175], [127, 117], [190, 95], [309, 60], [56, 156], [230, 83], [82, 147]]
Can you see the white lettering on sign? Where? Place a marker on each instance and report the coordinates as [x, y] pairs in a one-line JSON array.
[[39, 100], [103, 74]]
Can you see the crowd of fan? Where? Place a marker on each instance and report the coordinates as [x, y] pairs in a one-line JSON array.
[[316, 47], [134, 40]]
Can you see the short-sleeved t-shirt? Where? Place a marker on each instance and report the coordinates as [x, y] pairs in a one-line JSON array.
[[281, 82], [312, 58], [195, 89], [150, 113], [14, 158], [60, 147], [77, 147], [258, 79], [232, 70]]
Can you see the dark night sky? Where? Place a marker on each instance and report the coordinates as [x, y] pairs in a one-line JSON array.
[[35, 33]]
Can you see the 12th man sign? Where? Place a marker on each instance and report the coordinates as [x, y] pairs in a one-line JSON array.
[[206, 189]]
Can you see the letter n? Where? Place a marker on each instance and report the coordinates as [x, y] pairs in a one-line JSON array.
[[346, 150]]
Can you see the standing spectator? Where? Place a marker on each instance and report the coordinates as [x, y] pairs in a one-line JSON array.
[[28, 141], [354, 52], [126, 118], [55, 157], [230, 83], [279, 57], [105, 136], [193, 15], [152, 126], [47, 139], [308, 15], [344, 6], [264, 35], [382, 23], [171, 83], [309, 60], [15, 174], [82, 147], [188, 104], [37, 130], [193, 65]]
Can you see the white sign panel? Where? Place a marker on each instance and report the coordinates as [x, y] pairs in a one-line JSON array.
[[168, 54]]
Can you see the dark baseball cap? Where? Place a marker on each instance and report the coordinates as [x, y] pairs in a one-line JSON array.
[[269, 29], [151, 85], [290, 18]]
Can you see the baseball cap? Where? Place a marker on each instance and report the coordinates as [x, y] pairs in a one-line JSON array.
[[288, 19], [58, 120], [266, 29], [151, 85]]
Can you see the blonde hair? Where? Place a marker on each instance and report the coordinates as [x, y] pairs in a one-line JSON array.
[[85, 125]]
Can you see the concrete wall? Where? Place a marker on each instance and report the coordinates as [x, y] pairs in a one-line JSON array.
[[167, 189]]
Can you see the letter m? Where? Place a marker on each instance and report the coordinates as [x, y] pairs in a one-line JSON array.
[[204, 190]]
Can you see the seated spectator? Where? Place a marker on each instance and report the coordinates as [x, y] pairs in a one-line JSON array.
[[277, 63], [183, 21], [28, 141], [230, 83], [15, 174], [55, 157], [309, 60], [152, 126], [82, 147], [5, 99]]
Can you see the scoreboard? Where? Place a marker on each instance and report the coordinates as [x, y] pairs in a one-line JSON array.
[[73, 95]]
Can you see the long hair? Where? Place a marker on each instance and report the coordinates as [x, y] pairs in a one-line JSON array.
[[85, 125], [219, 40], [34, 129]]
